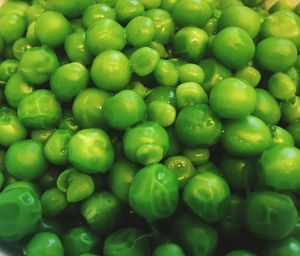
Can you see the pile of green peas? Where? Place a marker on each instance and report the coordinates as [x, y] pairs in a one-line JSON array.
[[150, 127]]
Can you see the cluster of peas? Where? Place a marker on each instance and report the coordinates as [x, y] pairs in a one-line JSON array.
[[150, 127]]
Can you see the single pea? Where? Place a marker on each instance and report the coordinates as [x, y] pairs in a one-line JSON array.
[[151, 4], [33, 12], [194, 235], [37, 64], [8, 68], [270, 215], [31, 36], [175, 146], [168, 5], [164, 24], [166, 94], [80, 240], [234, 47], [102, 211], [19, 47], [125, 242], [39, 109], [197, 156], [11, 129], [282, 5], [224, 101], [13, 27], [140, 31], [53, 202], [161, 112], [242, 17], [166, 73], [168, 249], [111, 71], [97, 12], [198, 126], [145, 143], [189, 94], [126, 10], [83, 154], [283, 136], [159, 196], [139, 88], [209, 167], [105, 34], [281, 86], [240, 253], [293, 130], [18, 7], [21, 213], [249, 74], [87, 107], [289, 246], [76, 49], [191, 13], [276, 54], [190, 72], [25, 159], [69, 80], [42, 135], [160, 48], [52, 28], [291, 110], [124, 109]]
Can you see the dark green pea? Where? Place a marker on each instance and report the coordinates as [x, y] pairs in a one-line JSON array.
[[20, 47], [31, 36], [283, 136], [159, 194], [195, 236], [126, 242], [68, 122], [270, 215], [11, 129], [190, 43], [126, 10], [13, 27], [182, 167], [8, 68], [33, 12], [289, 246], [39, 110], [53, 202], [197, 156], [37, 64], [190, 72], [252, 3], [20, 215], [2, 161], [168, 249], [198, 126], [23, 185], [161, 112], [267, 108], [162, 93], [2, 46], [88, 254], [42, 135], [48, 180], [293, 130], [281, 86], [166, 73], [80, 240], [240, 253], [209, 167], [290, 110], [96, 12], [164, 24], [297, 9], [146, 143], [87, 107], [102, 211], [249, 74], [76, 49], [174, 145], [78, 186]]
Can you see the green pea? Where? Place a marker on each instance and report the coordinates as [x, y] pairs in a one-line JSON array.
[[42, 135], [226, 104], [126, 10], [140, 31], [174, 145], [233, 47], [2, 161], [53, 202], [48, 180], [160, 48], [283, 136], [68, 80], [11, 129], [248, 136], [191, 13], [105, 34], [270, 215], [18, 7], [168, 5], [31, 36], [83, 154], [25, 159], [209, 167], [267, 108], [139, 88], [96, 12], [190, 72], [13, 27], [164, 24], [288, 246], [197, 156], [145, 143], [166, 73], [124, 109], [37, 64], [198, 126], [195, 236], [20, 215], [249, 74], [111, 71], [161, 112], [76, 48], [87, 107], [166, 94], [33, 12], [290, 110], [126, 242], [168, 249], [240, 253], [8, 68], [190, 43], [252, 3], [276, 54], [19, 47], [39, 109], [80, 240], [293, 129], [297, 9], [2, 46], [151, 4], [281, 86]]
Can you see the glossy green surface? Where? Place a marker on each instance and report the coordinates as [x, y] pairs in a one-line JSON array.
[[168, 249]]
